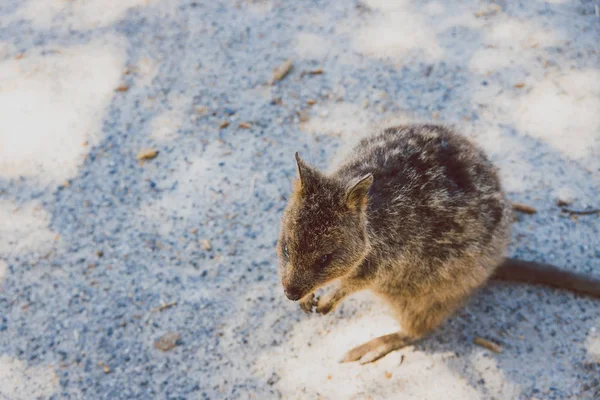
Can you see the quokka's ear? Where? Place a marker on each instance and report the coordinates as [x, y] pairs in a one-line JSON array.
[[306, 174], [357, 195]]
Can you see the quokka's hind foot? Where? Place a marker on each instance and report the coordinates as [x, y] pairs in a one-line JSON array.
[[377, 348]]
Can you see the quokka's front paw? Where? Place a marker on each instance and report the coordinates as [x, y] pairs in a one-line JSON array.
[[325, 305], [307, 303]]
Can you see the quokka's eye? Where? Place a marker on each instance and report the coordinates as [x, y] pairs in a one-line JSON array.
[[325, 260]]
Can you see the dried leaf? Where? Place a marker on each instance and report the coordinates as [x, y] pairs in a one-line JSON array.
[[487, 344], [388, 375], [303, 116], [146, 154], [167, 341], [223, 124], [311, 102], [520, 85], [122, 88], [281, 71], [245, 125], [524, 208]]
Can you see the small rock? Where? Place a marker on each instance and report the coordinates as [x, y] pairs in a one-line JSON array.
[[519, 85], [223, 124], [206, 244], [564, 196], [562, 202], [303, 116], [122, 88], [167, 341], [105, 367], [273, 379]]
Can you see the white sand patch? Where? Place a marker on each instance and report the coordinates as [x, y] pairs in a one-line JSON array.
[[313, 46], [495, 381], [592, 344], [509, 156], [146, 68], [337, 119], [78, 15], [3, 272], [165, 126], [395, 32], [260, 7], [492, 59], [24, 228], [512, 43], [51, 105], [347, 121], [514, 33], [567, 194], [6, 48], [434, 8], [22, 382], [193, 178], [308, 364], [387, 5], [563, 111]]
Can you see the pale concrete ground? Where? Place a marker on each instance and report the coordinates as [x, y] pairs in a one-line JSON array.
[[522, 78]]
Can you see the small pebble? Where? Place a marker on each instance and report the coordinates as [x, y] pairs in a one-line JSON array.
[[167, 341]]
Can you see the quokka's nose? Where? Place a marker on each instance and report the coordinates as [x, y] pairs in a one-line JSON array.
[[293, 293]]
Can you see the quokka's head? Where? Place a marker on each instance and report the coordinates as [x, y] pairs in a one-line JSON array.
[[323, 233]]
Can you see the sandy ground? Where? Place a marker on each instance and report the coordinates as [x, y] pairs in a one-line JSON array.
[[92, 242]]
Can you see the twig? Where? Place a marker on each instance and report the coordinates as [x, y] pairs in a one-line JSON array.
[[164, 306], [581, 212]]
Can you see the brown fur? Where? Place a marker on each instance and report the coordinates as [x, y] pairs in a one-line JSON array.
[[415, 214]]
